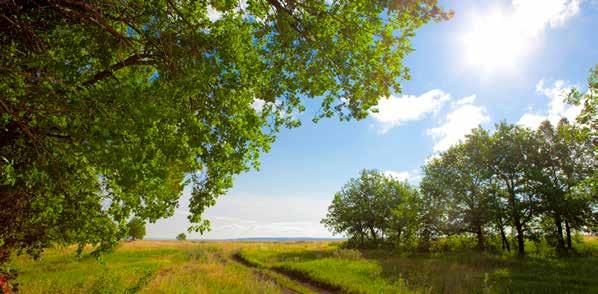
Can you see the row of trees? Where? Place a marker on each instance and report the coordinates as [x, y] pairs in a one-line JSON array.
[[513, 181], [518, 180]]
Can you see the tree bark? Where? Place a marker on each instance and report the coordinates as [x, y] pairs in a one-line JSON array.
[[559, 232], [516, 222], [520, 241], [505, 241], [568, 231], [503, 236], [374, 235]]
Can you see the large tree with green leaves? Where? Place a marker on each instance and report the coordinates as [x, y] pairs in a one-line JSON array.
[[463, 181], [560, 164], [109, 108], [371, 209], [587, 122], [510, 149], [136, 228]]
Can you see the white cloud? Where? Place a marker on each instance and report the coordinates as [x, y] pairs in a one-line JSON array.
[[241, 215], [533, 16], [463, 117], [500, 37], [466, 100], [557, 107], [394, 111], [412, 177], [258, 104], [214, 14]]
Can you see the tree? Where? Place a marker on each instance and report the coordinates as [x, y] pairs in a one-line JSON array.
[[368, 209], [405, 213], [181, 237], [464, 183], [510, 147], [111, 108], [136, 228], [587, 121], [433, 205], [561, 163]]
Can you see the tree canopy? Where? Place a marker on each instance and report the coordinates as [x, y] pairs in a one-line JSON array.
[[372, 208], [181, 237], [109, 109], [136, 228]]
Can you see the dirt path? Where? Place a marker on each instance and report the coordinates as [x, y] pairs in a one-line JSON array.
[[263, 274]]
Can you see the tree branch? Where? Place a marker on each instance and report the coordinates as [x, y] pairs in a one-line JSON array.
[[136, 59]]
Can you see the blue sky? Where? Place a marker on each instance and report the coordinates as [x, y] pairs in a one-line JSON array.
[[495, 60]]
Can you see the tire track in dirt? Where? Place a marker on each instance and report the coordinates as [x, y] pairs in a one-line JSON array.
[[303, 281]]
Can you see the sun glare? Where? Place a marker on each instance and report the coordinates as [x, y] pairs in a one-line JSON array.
[[494, 42]]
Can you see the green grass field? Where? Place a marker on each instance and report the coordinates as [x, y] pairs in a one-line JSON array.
[[299, 267]]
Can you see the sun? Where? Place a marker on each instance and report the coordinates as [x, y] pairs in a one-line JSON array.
[[494, 42]]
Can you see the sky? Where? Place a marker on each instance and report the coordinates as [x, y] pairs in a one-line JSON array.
[[495, 61]]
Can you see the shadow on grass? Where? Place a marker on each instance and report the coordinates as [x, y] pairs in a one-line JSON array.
[[468, 272], [476, 272]]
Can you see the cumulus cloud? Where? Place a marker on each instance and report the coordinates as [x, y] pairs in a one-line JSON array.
[[557, 107], [533, 16], [466, 100], [501, 36], [394, 111], [459, 121], [258, 104]]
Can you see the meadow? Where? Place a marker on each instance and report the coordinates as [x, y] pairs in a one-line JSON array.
[[302, 267]]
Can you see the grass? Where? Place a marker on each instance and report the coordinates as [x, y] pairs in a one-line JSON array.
[[251, 267], [144, 267], [381, 271]]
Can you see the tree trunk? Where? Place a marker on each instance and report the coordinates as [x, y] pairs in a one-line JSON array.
[[568, 231], [361, 237], [520, 241], [480, 236], [517, 223], [374, 235], [399, 236], [503, 236], [560, 246]]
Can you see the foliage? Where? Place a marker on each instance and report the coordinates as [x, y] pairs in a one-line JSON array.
[[372, 208], [181, 237], [136, 228], [515, 178], [529, 183], [109, 109], [588, 122], [458, 178]]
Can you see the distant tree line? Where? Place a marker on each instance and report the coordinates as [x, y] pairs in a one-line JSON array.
[[510, 185]]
